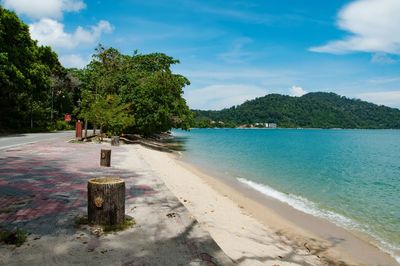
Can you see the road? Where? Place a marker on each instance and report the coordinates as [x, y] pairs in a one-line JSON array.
[[9, 141]]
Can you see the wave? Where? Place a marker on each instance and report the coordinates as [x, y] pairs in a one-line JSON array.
[[310, 207]]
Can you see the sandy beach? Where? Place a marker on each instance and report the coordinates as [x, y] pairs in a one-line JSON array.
[[255, 230]]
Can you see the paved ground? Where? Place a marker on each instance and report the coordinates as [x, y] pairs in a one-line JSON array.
[[43, 189], [8, 141]]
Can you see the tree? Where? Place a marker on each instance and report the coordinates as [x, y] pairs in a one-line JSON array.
[[140, 86], [101, 104], [25, 71], [156, 94], [108, 112]]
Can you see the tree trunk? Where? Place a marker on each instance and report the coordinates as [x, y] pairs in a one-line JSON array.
[[52, 106], [31, 111], [86, 129], [115, 141], [106, 201], [105, 158]]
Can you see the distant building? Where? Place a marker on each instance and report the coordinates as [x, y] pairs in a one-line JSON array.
[[258, 125], [270, 125]]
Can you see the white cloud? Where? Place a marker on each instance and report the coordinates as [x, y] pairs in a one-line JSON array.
[[211, 75], [382, 58], [51, 32], [374, 26], [237, 54], [384, 80], [44, 8], [297, 91], [216, 97], [74, 60], [388, 98]]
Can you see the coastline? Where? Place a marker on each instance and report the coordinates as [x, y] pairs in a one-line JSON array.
[[254, 229]]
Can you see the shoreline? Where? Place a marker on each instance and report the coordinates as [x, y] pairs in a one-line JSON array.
[[312, 240], [307, 217], [362, 246]]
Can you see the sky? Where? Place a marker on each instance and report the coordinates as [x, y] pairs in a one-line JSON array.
[[237, 50]]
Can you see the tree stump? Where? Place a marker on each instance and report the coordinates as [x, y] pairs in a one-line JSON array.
[[105, 157], [115, 141], [106, 201]]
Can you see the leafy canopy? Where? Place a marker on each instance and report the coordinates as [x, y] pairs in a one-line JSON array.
[[142, 86], [27, 74]]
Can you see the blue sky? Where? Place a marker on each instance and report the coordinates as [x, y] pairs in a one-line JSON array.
[[233, 51]]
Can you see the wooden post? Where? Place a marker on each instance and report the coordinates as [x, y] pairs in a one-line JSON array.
[[106, 201], [105, 157], [78, 130], [115, 141]]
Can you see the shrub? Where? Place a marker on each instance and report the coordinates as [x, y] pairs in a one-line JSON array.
[[62, 125]]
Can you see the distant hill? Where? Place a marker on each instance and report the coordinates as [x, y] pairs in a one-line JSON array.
[[312, 110]]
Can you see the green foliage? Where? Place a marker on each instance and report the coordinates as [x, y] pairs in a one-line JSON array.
[[157, 103], [80, 220], [26, 72], [136, 93], [129, 222], [155, 93], [313, 110], [108, 112], [62, 125], [36, 91], [17, 237]]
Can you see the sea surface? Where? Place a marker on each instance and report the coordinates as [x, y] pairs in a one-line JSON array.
[[350, 177]]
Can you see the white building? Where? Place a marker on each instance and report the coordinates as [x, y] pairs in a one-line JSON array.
[[270, 125]]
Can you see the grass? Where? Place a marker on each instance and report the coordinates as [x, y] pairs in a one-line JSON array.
[[81, 220], [17, 237], [129, 222], [75, 141]]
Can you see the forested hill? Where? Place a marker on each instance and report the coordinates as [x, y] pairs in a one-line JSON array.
[[312, 110]]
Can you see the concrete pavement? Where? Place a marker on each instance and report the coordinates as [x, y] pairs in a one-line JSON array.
[[43, 189], [14, 140]]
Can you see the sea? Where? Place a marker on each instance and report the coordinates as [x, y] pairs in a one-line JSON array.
[[349, 177]]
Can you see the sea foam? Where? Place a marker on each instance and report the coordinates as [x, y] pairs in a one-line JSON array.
[[300, 203], [310, 207]]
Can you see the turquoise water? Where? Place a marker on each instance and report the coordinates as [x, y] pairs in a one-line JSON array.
[[350, 177]]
